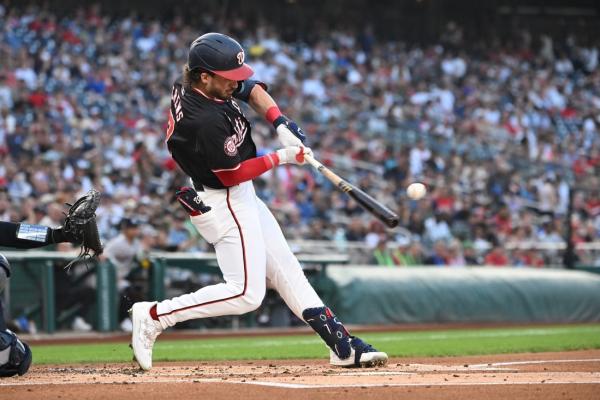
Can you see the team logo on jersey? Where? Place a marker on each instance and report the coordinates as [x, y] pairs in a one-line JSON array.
[[230, 147], [240, 57], [240, 129], [237, 107]]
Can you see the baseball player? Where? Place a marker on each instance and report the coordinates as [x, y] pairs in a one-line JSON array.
[[15, 355], [79, 227], [209, 137]]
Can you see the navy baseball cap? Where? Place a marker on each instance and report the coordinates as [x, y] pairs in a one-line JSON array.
[[221, 55]]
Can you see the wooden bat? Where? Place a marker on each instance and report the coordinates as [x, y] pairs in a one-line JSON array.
[[384, 214]]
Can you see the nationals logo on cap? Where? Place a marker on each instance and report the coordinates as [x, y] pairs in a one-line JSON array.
[[240, 57]]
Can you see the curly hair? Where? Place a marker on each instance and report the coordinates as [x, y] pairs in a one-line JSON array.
[[191, 77], [188, 77]]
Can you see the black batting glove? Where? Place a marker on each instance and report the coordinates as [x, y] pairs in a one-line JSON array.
[[191, 202]]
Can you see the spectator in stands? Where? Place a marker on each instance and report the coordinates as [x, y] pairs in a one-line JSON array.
[[455, 256], [126, 252], [419, 155], [383, 254], [470, 254], [179, 237], [410, 254], [438, 255], [436, 228], [73, 294], [496, 257]]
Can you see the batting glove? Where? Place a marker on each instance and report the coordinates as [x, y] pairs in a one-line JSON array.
[[288, 132], [191, 202], [293, 155]]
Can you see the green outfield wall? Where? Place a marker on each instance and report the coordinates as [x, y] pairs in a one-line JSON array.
[[358, 295], [375, 295]]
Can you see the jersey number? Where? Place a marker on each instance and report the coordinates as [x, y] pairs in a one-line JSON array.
[[170, 125], [176, 105]]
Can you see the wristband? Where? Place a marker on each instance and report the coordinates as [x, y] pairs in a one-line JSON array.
[[272, 114]]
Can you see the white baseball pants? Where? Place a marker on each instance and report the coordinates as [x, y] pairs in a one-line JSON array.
[[252, 254]]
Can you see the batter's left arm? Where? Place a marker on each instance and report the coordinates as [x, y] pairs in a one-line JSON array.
[[288, 132], [260, 100]]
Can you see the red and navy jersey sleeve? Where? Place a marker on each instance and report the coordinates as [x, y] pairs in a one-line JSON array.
[[245, 88]]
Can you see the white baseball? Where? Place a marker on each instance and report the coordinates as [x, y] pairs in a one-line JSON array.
[[416, 191]]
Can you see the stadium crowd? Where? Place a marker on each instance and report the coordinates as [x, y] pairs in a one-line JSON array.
[[498, 129]]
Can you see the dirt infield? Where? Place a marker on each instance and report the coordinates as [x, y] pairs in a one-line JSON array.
[[567, 375]]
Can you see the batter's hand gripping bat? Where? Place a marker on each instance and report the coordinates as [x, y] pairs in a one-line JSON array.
[[386, 215]]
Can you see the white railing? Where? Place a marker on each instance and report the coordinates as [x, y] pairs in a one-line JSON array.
[[311, 246], [360, 252], [531, 245]]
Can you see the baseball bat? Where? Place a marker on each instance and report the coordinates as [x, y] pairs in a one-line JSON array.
[[380, 211]]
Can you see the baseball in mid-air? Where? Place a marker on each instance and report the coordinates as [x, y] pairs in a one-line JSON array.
[[416, 191]]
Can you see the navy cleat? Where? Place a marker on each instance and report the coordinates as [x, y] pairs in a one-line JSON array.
[[362, 355]]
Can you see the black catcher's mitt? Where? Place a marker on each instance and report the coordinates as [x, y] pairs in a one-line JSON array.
[[80, 224]]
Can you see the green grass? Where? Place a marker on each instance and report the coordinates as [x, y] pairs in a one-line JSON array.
[[422, 344]]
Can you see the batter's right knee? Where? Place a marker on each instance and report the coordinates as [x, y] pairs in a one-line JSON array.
[[251, 301]]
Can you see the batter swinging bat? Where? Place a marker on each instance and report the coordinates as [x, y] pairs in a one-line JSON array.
[[386, 215]]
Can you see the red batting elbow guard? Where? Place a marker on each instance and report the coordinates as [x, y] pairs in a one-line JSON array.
[[247, 170]]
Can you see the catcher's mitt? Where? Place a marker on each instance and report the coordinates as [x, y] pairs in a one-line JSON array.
[[80, 224]]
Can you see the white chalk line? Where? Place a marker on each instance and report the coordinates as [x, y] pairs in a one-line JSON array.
[[374, 373], [303, 386], [372, 385], [498, 364]]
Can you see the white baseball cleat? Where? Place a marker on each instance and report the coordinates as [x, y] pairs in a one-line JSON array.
[[362, 355], [144, 333]]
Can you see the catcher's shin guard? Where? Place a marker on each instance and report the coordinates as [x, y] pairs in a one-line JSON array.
[[325, 323], [15, 356]]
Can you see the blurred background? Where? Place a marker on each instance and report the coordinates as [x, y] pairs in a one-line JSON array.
[[494, 105]]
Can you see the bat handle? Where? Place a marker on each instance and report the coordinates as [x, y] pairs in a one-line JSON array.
[[332, 176], [311, 160]]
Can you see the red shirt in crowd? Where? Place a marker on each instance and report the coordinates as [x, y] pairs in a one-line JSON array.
[[497, 258]]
